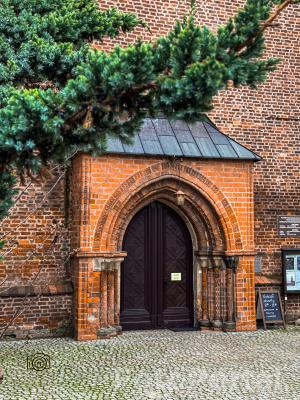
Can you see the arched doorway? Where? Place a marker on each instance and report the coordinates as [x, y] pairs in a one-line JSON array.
[[157, 274], [222, 293]]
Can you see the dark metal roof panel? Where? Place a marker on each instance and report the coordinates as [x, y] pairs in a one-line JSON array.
[[147, 123], [198, 129], [190, 149], [178, 124], [163, 127], [159, 136], [135, 147], [114, 145], [242, 151], [226, 151], [207, 148], [184, 136], [216, 136], [148, 134], [152, 147], [170, 145]]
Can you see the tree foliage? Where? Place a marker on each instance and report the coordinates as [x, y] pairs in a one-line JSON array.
[[57, 93]]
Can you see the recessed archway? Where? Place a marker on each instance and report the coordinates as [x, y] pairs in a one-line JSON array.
[[205, 208], [211, 222]]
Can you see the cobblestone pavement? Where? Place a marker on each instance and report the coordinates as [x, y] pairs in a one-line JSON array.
[[155, 365]]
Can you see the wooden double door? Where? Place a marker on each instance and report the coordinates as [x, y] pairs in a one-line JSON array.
[[157, 274]]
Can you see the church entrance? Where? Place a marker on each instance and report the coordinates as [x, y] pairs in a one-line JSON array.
[[157, 274]]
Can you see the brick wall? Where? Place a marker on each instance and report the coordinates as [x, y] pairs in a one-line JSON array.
[[45, 315], [35, 270], [266, 121]]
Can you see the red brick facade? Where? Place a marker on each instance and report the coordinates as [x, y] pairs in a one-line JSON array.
[[35, 288], [266, 121], [219, 206]]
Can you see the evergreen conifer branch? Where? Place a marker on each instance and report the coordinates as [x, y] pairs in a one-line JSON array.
[[58, 94], [279, 9]]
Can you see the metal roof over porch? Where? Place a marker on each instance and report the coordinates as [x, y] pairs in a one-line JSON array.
[[163, 137]]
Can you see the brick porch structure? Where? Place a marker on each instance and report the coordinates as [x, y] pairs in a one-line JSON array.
[[218, 211]]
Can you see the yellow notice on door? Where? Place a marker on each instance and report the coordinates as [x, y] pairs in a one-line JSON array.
[[175, 276]]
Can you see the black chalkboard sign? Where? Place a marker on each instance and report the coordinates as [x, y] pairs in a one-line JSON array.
[[269, 306]]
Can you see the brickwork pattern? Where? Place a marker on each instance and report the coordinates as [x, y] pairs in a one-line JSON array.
[[43, 313], [219, 206], [265, 120], [37, 246]]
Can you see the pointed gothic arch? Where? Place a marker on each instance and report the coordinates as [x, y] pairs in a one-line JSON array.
[[205, 206]]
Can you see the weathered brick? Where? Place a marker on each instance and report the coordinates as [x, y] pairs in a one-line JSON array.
[[265, 120]]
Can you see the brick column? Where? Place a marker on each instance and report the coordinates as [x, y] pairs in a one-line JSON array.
[[198, 291], [203, 268], [227, 291], [211, 291], [86, 305], [245, 294], [97, 294], [117, 292], [109, 308], [110, 298], [103, 299], [217, 265], [230, 293], [223, 292]]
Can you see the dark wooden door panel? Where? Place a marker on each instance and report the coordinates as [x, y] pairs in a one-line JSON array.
[[135, 306], [177, 259], [158, 245]]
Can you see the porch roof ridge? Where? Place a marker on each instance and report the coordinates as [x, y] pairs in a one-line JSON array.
[[161, 136]]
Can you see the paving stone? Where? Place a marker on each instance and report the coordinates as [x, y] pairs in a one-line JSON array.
[[160, 365]]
